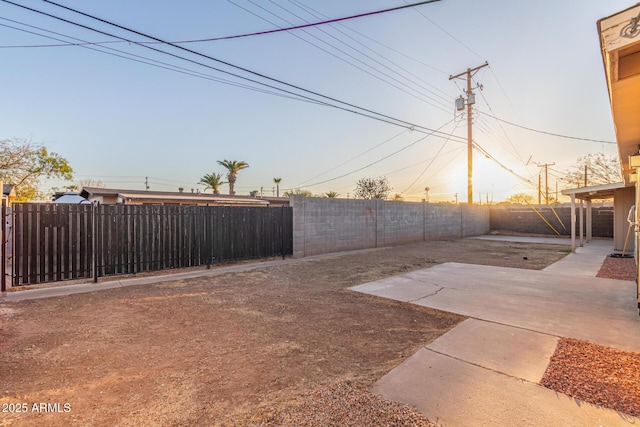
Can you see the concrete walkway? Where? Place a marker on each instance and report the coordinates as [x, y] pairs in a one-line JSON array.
[[486, 370]]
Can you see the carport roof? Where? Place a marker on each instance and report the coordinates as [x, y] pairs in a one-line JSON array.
[[603, 191]]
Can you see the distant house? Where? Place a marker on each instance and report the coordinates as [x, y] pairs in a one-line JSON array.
[[9, 193], [181, 197]]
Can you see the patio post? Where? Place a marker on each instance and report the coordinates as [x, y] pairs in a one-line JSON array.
[[573, 222], [581, 224], [589, 221]]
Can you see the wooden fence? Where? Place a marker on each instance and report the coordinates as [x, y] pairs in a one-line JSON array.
[[54, 242]]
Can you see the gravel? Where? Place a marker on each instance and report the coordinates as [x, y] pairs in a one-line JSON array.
[[342, 404], [618, 268], [596, 374]]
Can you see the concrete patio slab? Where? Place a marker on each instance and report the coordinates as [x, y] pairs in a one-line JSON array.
[[451, 392], [485, 371], [513, 351], [526, 239], [603, 311], [401, 288]]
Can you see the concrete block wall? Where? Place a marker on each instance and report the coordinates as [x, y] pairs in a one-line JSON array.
[[524, 219], [475, 220], [400, 222], [323, 225]]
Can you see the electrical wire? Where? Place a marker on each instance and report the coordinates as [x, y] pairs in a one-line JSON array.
[[319, 15], [149, 61], [490, 157], [448, 33], [502, 128], [545, 132], [352, 158], [431, 162], [258, 33], [441, 106], [379, 160], [376, 61], [362, 111]]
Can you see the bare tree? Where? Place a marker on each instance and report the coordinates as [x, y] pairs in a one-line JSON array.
[[373, 188], [595, 169]]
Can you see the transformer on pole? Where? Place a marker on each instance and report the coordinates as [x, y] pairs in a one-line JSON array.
[[460, 104]]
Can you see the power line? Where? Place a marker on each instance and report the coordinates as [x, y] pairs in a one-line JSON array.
[[501, 128], [317, 15], [363, 111], [449, 34], [545, 132], [258, 33], [445, 104], [379, 160], [352, 158], [432, 160], [404, 168], [315, 24], [149, 61], [441, 106], [490, 157]]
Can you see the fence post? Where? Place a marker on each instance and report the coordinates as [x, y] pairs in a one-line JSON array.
[[3, 232], [94, 240], [282, 250]]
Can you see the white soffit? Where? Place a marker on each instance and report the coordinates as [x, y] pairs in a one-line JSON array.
[[614, 27]]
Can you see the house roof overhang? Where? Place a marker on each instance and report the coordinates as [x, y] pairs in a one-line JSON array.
[[171, 197], [620, 48], [604, 191]]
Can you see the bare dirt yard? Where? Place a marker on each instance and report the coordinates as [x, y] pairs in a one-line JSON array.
[[286, 345]]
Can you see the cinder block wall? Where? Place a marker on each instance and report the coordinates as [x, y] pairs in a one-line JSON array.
[[322, 225], [524, 219]]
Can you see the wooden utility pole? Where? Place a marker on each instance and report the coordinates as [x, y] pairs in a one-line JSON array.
[[539, 189], [546, 179], [470, 101]]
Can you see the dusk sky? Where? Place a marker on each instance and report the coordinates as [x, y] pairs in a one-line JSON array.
[[120, 120]]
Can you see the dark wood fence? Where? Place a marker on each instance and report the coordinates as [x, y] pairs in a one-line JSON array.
[[65, 242]]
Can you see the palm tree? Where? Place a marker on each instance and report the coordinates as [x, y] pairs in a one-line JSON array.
[[233, 167], [331, 194], [277, 181], [212, 181]]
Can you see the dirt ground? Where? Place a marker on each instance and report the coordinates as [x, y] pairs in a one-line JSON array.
[[252, 348]]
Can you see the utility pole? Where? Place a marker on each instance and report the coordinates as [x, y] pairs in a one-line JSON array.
[[456, 198], [546, 178], [146, 183], [471, 99], [539, 189], [585, 175]]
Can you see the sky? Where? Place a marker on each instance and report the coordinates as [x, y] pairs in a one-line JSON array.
[[166, 120]]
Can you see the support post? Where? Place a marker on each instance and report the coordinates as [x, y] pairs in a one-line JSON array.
[[94, 240], [573, 222], [589, 220], [637, 249], [282, 231], [3, 232], [581, 224]]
